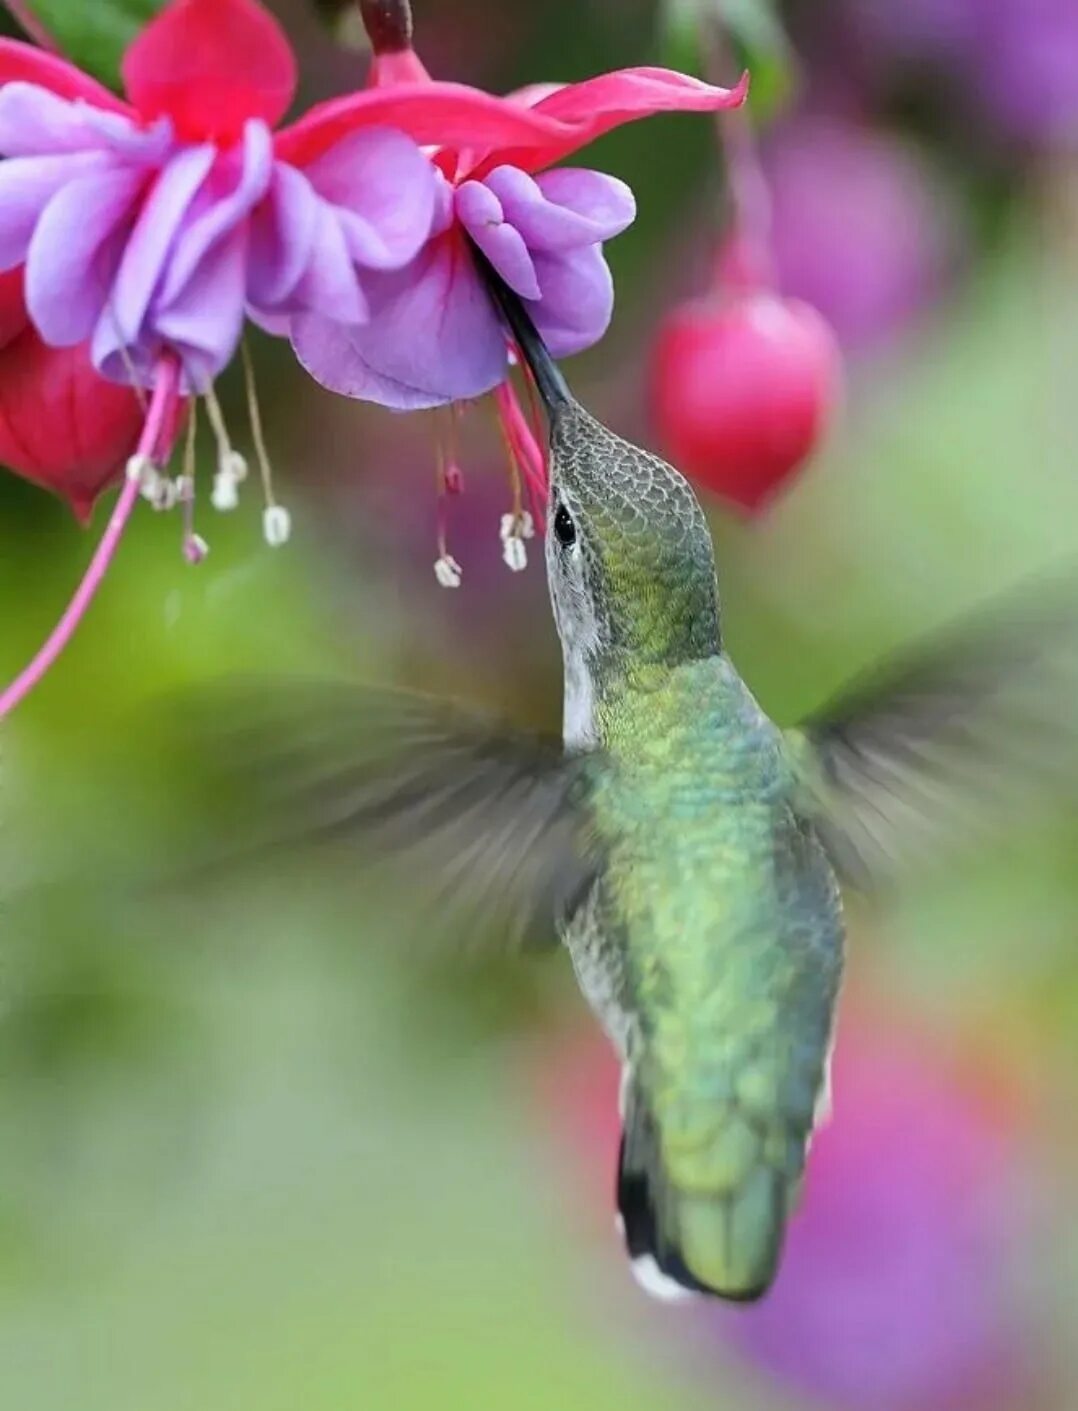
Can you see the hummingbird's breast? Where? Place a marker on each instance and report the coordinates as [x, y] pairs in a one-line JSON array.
[[711, 945]]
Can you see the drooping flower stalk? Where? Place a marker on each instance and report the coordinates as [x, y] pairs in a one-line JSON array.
[[161, 408], [749, 253]]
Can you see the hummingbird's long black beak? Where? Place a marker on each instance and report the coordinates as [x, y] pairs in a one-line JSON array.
[[553, 388]]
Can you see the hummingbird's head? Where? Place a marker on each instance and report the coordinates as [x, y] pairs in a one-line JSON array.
[[629, 555]]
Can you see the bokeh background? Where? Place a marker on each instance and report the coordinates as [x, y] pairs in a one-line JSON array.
[[254, 1151]]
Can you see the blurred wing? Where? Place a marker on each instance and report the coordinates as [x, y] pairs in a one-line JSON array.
[[491, 824], [950, 742]]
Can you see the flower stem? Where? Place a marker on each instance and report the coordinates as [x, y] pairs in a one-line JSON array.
[[388, 24], [164, 396], [23, 14]]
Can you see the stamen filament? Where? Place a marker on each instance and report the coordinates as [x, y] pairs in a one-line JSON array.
[[257, 432], [194, 546], [163, 400]]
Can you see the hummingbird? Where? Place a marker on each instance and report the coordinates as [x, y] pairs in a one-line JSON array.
[[688, 852]]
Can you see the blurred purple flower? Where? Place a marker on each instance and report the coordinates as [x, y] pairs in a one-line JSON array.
[[913, 30], [862, 229], [892, 1294], [1017, 59], [1025, 68]]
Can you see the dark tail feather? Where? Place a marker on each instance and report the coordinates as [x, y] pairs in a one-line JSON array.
[[553, 388], [724, 1244]]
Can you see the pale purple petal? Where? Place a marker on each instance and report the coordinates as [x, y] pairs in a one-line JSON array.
[[388, 186], [481, 214], [433, 336], [35, 122], [149, 146], [283, 232], [327, 351], [329, 285], [565, 208], [238, 182], [151, 240], [205, 323], [578, 300], [74, 254], [27, 185]]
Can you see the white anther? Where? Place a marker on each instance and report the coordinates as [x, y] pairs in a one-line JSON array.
[[232, 464], [184, 486], [276, 525], [142, 470], [515, 554], [161, 494], [195, 548], [517, 526], [448, 571], [225, 495]]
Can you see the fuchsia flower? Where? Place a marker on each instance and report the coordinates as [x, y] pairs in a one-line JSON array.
[[149, 230], [434, 336]]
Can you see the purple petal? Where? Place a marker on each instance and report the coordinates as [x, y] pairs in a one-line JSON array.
[[565, 208], [578, 300], [151, 240], [205, 322], [388, 186], [433, 336], [35, 122], [150, 146], [236, 185], [74, 254], [326, 350], [27, 185], [482, 216], [282, 238], [329, 285]]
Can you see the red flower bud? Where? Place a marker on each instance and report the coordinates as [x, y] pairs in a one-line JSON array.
[[61, 425], [743, 389]]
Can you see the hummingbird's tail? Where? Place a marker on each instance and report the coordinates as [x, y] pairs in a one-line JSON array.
[[720, 1235]]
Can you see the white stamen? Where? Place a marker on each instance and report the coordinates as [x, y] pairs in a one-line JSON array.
[[161, 494], [195, 548], [142, 470], [276, 525], [232, 464], [448, 571], [515, 554], [184, 486], [517, 526], [225, 495]]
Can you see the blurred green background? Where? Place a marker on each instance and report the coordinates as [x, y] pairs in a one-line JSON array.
[[253, 1155]]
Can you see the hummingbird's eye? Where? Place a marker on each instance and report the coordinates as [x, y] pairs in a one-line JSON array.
[[564, 528]]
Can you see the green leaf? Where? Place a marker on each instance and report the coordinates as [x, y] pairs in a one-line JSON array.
[[751, 36], [95, 35]]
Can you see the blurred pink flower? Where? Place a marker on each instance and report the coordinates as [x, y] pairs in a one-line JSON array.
[[894, 1288]]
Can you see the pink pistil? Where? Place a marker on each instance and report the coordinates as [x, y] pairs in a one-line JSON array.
[[165, 391], [525, 447]]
